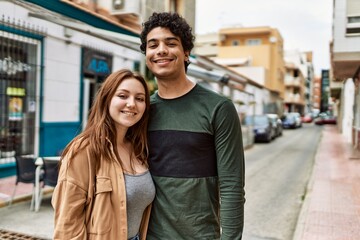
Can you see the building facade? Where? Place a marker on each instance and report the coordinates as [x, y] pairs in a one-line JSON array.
[[294, 89], [51, 65], [261, 52], [303, 62], [316, 96], [54, 55], [255, 53], [345, 65]]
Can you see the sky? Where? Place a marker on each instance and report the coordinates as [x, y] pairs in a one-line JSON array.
[[305, 25]]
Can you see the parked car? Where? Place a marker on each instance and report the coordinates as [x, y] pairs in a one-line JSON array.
[[263, 128], [307, 118], [292, 120], [277, 124], [325, 118]]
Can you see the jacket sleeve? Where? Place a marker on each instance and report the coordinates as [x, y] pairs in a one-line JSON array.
[[69, 200], [231, 170]]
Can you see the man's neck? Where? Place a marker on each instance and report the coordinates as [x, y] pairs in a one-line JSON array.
[[170, 89]]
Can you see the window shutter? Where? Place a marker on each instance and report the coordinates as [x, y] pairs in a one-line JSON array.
[[353, 8]]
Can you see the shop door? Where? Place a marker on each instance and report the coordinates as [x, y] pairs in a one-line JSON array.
[[90, 88]]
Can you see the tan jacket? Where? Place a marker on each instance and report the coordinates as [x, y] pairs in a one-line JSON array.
[[90, 204]]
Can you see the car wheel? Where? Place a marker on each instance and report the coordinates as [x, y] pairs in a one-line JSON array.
[[268, 138]]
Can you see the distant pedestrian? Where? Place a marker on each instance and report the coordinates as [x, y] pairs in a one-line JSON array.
[[196, 152], [104, 189]]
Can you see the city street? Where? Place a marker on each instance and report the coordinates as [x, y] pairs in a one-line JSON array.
[[290, 68], [277, 174], [302, 186]]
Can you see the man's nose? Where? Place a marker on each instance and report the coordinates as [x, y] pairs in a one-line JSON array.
[[162, 48]]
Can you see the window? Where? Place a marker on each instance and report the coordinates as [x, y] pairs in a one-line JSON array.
[[235, 43], [353, 17], [296, 73], [253, 42], [353, 30], [353, 24], [352, 8], [18, 96]]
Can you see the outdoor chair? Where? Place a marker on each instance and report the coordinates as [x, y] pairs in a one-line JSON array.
[[51, 172], [25, 173]]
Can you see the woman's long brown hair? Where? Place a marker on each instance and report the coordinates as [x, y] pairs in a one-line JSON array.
[[100, 128]]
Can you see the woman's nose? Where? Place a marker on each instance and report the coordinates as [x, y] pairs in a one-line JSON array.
[[130, 103]]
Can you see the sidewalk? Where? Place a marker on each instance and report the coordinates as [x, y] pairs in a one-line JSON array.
[[17, 221], [331, 210]]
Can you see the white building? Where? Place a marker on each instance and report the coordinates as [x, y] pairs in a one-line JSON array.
[[51, 65], [345, 67]]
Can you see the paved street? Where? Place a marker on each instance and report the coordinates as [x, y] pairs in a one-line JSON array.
[[277, 175]]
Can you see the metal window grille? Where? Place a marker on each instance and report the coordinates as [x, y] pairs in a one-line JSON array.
[[19, 70]]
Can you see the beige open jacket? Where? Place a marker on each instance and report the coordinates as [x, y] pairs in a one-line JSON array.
[[90, 204]]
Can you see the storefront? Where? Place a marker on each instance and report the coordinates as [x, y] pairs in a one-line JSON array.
[[96, 66], [51, 66], [19, 79]]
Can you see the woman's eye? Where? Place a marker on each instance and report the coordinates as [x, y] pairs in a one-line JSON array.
[[122, 96], [140, 99]]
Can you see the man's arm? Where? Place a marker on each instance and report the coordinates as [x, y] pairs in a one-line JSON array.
[[231, 170]]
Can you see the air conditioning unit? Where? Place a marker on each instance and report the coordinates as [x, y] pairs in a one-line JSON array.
[[125, 7]]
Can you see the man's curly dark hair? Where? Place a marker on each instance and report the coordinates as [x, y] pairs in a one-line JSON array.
[[174, 22]]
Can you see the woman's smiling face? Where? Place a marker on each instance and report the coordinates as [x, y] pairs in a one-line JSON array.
[[128, 104]]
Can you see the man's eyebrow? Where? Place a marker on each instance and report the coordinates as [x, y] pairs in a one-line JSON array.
[[166, 39], [171, 38]]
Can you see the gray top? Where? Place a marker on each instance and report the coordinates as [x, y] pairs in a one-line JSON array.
[[140, 192]]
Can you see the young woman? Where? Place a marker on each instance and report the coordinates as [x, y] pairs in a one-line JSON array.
[[104, 188]]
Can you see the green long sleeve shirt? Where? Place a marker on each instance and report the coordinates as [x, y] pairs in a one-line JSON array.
[[197, 163]]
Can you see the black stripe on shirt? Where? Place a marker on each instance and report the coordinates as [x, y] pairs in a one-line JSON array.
[[182, 154]]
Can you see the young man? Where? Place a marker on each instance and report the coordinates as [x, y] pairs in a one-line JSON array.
[[196, 152]]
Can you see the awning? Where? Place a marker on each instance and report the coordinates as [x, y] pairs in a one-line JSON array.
[[211, 65], [118, 38], [126, 40], [74, 11], [198, 72]]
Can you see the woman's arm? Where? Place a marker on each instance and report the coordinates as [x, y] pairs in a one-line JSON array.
[[70, 198]]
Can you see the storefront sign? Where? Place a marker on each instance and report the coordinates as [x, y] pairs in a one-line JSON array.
[[11, 91], [11, 67], [96, 63]]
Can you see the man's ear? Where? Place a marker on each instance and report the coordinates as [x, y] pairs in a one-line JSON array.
[[187, 56]]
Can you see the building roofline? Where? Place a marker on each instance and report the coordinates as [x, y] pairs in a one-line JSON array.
[[82, 14]]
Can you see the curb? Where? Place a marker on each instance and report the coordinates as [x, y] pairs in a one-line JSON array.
[[300, 225], [23, 198], [299, 230], [18, 199]]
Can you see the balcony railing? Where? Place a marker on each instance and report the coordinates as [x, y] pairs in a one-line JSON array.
[[292, 81]]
